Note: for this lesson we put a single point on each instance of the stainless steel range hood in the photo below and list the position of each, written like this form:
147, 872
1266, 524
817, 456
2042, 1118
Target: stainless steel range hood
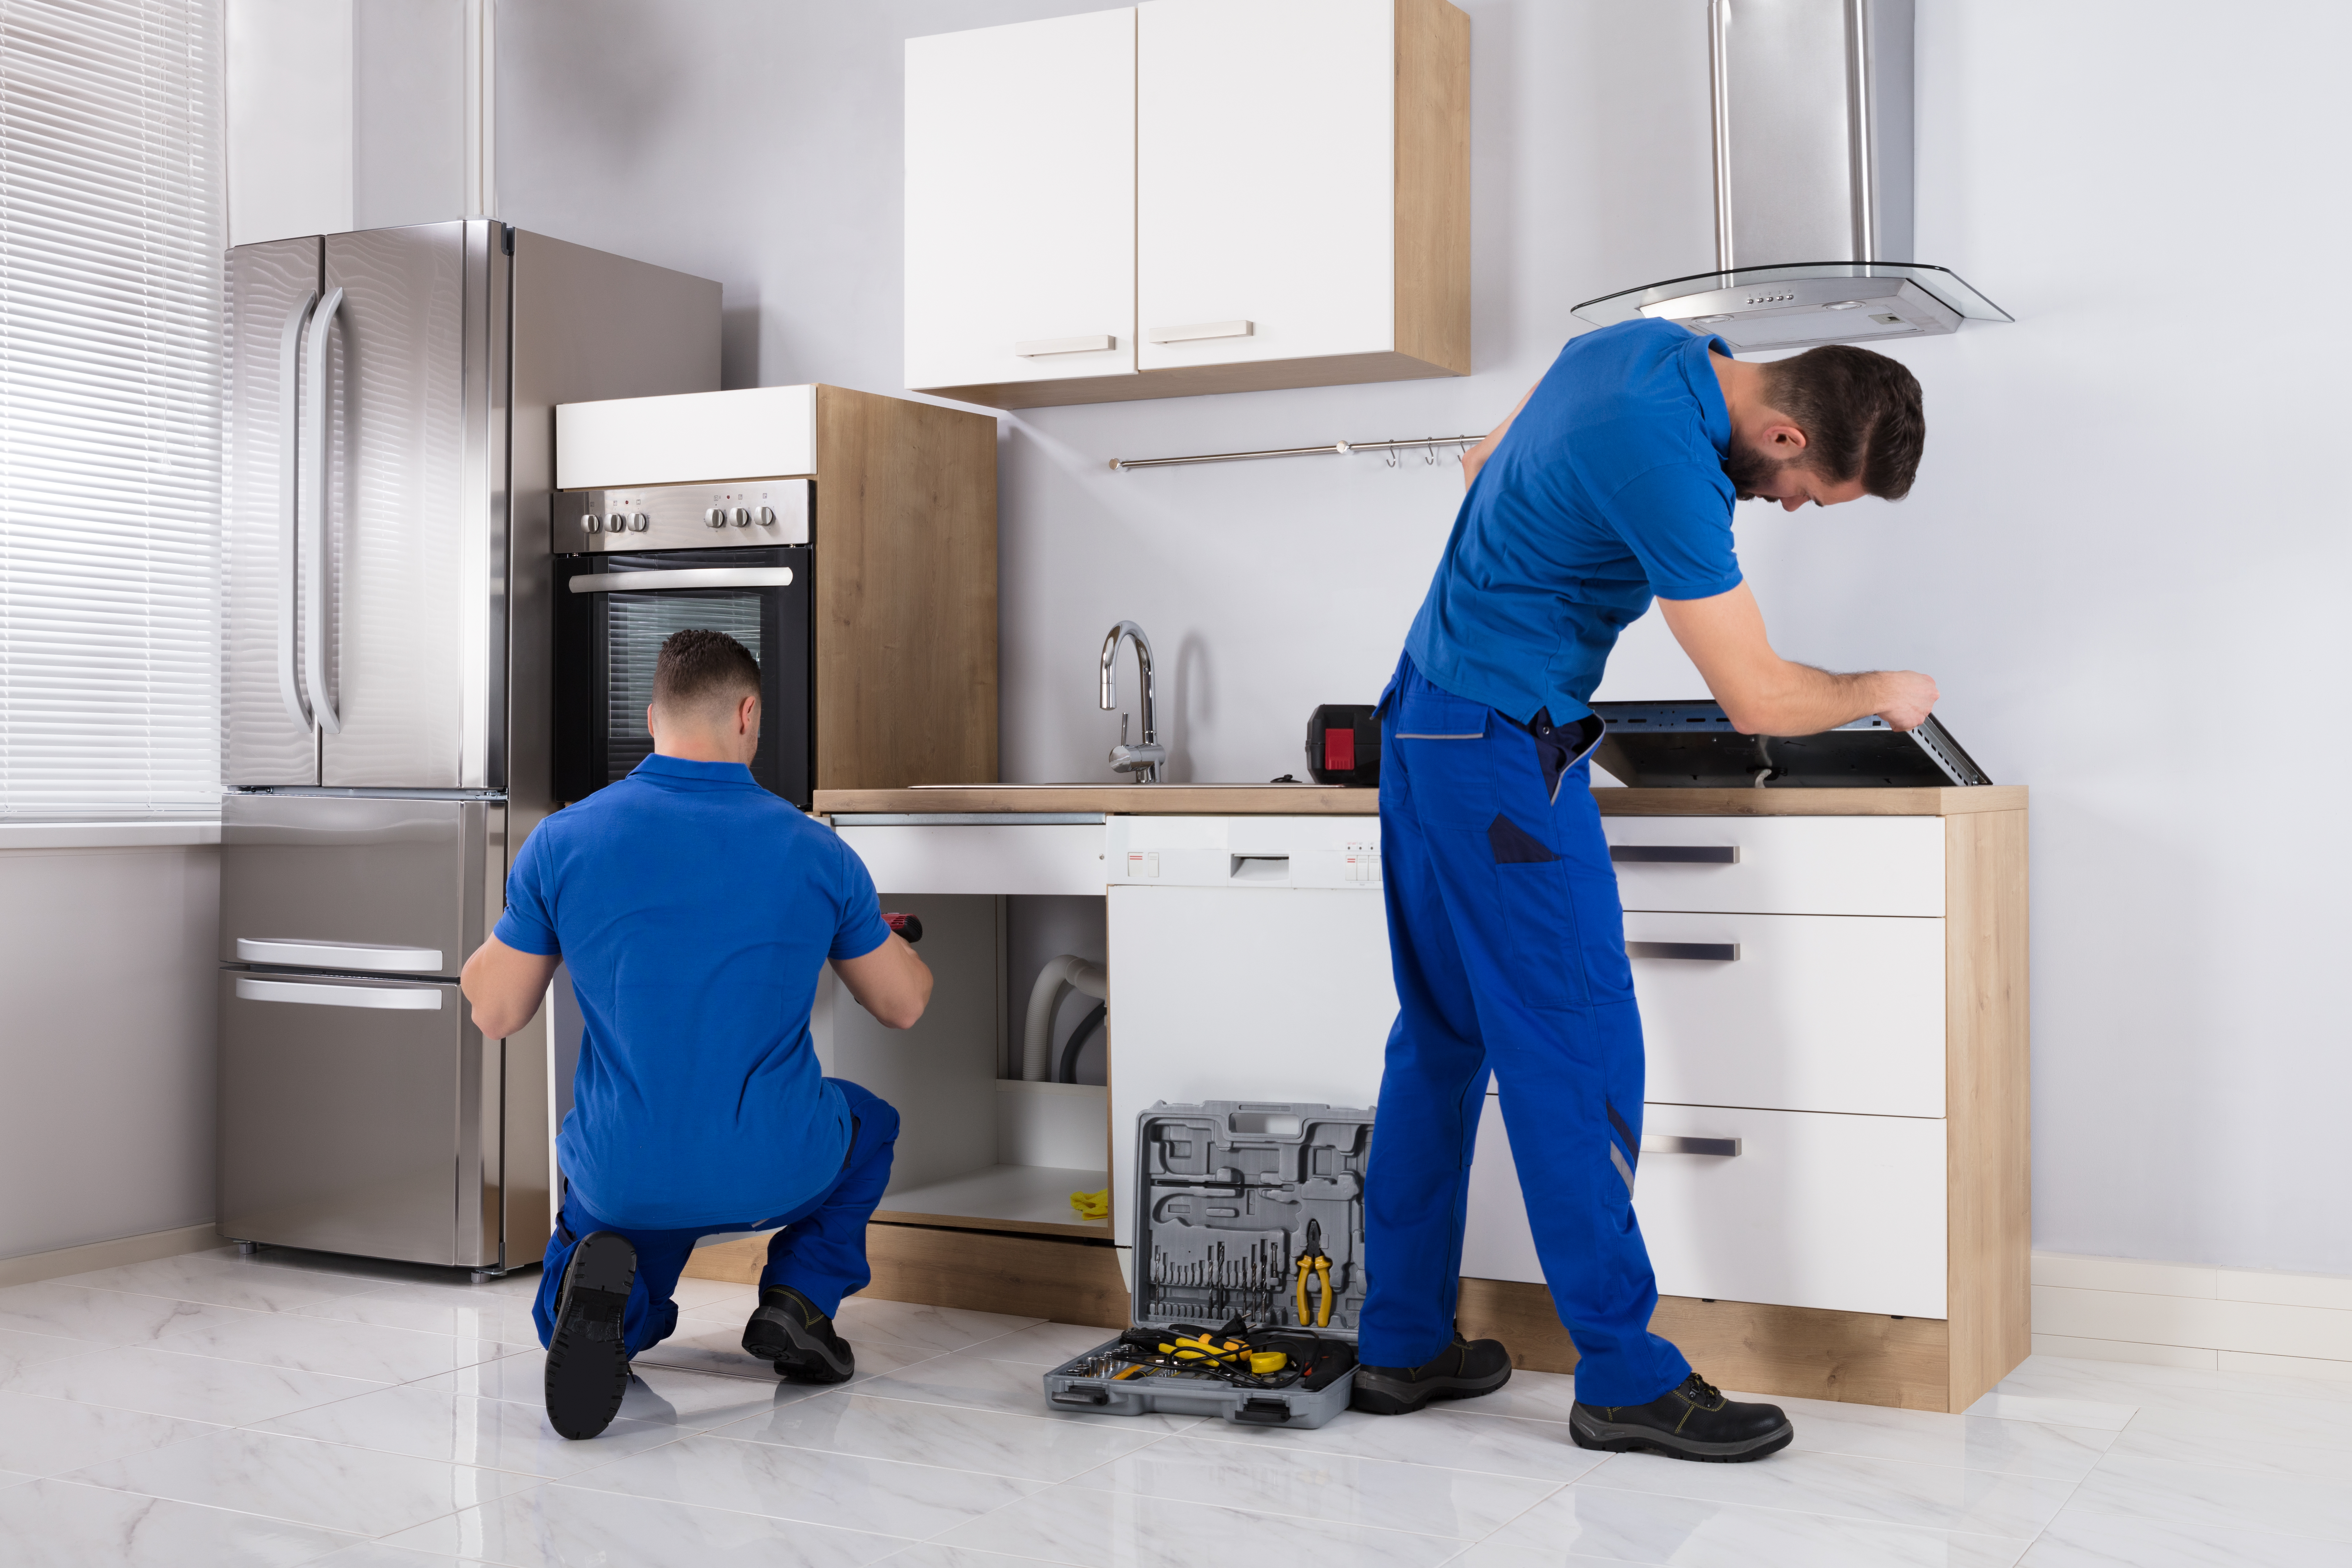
1812, 187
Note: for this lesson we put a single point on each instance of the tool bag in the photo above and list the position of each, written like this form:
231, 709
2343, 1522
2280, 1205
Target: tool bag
1242, 1208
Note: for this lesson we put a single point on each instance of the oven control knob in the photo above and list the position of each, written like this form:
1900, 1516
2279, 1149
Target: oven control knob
640, 522
716, 517
742, 517
767, 516
590, 523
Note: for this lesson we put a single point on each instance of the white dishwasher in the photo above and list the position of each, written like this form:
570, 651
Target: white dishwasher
1249, 959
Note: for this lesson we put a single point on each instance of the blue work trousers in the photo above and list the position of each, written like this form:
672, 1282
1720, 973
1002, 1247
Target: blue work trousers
819, 1251
1509, 945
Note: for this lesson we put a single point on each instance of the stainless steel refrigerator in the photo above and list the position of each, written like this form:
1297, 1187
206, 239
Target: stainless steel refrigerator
387, 640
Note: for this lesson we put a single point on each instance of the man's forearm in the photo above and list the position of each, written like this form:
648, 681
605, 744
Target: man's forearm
1800, 700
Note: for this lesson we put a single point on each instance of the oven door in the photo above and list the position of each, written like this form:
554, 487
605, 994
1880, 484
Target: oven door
613, 613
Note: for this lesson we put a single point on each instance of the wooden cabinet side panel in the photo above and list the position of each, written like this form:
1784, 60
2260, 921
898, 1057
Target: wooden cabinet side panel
1432, 183
906, 593
1991, 1177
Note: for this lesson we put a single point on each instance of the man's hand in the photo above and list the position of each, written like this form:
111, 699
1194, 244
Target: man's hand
890, 982
505, 986
1764, 694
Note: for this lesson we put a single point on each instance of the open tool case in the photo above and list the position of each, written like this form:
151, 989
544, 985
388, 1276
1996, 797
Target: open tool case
1229, 1196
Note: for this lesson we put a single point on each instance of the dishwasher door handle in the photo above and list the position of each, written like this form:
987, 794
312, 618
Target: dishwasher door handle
1702, 951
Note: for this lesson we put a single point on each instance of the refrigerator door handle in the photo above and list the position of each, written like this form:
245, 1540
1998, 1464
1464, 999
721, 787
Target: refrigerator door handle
314, 521
407, 999
339, 955
289, 437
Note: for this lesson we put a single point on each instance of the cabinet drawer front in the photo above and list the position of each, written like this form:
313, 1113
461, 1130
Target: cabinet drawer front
1785, 865
1040, 857
1844, 1213
1816, 1013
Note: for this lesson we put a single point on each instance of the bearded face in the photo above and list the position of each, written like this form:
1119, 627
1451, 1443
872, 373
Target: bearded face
1748, 466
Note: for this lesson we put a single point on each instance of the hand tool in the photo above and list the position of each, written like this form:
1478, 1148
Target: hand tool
1315, 1259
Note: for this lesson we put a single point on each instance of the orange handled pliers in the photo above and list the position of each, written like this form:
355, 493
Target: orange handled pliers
1318, 1261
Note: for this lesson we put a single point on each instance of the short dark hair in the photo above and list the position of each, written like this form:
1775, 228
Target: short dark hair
1861, 413
698, 666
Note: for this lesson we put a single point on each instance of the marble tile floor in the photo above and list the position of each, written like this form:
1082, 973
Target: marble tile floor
294, 1408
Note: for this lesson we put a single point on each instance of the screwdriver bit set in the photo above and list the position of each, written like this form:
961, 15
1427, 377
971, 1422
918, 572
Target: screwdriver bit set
1250, 1215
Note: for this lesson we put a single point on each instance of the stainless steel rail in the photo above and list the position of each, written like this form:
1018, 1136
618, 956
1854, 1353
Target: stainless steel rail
1336, 449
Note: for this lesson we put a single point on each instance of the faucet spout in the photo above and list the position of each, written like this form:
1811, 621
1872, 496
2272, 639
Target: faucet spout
1142, 760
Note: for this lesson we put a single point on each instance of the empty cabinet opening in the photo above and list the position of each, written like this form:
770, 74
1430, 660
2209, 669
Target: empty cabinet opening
1000, 1120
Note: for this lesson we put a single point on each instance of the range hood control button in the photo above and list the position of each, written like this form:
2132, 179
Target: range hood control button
716, 517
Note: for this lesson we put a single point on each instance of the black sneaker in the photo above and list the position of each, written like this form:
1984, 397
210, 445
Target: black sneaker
1693, 1421
587, 1370
789, 1331
1463, 1370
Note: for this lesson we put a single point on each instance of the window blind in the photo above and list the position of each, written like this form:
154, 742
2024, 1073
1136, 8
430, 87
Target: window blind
111, 235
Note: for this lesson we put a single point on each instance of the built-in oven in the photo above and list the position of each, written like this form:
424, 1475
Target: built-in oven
635, 566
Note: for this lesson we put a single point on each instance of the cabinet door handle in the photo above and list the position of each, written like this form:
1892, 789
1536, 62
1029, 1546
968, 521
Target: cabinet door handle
1704, 952
1204, 330
1035, 348
1675, 854
1673, 1143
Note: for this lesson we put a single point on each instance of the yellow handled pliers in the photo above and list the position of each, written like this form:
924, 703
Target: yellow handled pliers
1316, 1259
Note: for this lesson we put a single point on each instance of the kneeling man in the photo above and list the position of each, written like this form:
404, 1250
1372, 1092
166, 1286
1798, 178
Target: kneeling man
696, 912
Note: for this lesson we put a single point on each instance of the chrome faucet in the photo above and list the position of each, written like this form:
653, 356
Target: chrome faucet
1142, 760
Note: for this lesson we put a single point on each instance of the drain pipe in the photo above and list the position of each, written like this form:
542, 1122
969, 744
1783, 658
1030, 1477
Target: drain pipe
1037, 1038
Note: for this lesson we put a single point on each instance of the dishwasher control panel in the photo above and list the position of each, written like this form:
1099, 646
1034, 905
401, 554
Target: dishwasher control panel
1245, 851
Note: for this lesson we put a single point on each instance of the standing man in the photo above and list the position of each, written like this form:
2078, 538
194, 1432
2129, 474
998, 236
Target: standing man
697, 911
1612, 481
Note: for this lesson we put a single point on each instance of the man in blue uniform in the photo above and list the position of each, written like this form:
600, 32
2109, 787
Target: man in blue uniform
697, 911
1612, 482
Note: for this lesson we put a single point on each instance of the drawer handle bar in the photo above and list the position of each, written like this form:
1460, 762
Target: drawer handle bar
1204, 330
1672, 1144
1675, 854
419, 999
1705, 952
338, 955
1038, 348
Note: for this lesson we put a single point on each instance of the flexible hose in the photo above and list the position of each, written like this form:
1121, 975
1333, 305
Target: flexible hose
1037, 1037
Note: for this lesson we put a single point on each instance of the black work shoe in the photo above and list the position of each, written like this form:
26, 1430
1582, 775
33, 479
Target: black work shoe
1693, 1421
789, 1331
587, 1368
1463, 1370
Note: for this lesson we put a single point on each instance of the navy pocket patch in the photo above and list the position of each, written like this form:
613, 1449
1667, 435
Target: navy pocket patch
1514, 845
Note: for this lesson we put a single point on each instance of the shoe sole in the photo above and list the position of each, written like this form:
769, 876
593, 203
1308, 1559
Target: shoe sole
587, 1365
797, 1356
1612, 1437
1374, 1399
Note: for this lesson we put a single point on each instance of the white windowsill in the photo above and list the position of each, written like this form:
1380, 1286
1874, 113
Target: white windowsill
106, 835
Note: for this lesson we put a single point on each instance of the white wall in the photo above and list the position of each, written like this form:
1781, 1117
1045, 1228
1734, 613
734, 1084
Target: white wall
2121, 561
106, 958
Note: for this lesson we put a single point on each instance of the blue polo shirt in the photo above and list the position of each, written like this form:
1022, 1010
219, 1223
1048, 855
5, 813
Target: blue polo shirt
1608, 489
695, 912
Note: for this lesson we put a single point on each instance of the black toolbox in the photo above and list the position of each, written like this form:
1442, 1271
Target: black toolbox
1226, 1195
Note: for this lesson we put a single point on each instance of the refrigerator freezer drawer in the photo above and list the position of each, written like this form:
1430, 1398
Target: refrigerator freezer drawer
373, 885
368, 1124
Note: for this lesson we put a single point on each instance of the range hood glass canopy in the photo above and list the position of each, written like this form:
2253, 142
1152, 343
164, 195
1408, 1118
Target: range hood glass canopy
1806, 304
1812, 109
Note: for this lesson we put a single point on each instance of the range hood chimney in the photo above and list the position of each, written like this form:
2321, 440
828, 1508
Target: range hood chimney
1812, 160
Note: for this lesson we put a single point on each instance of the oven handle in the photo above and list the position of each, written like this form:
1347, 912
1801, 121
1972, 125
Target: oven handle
684, 577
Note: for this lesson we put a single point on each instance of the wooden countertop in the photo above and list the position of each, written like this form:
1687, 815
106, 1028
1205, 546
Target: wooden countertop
1317, 800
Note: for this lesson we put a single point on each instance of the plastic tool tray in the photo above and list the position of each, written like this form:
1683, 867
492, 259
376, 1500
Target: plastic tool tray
1230, 1198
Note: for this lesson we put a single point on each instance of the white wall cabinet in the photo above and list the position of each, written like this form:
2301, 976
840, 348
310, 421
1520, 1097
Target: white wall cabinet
1021, 204
1191, 196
